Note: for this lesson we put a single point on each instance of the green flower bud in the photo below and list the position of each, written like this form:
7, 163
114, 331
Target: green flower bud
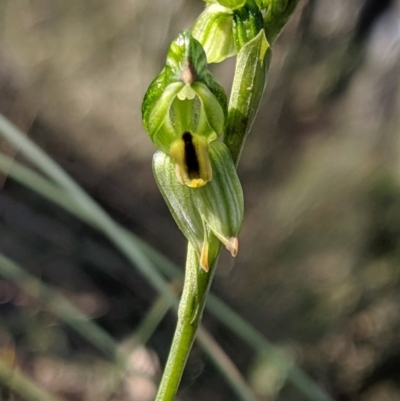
216, 207
185, 98
247, 23
213, 29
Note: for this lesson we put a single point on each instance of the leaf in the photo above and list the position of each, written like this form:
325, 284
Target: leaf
248, 87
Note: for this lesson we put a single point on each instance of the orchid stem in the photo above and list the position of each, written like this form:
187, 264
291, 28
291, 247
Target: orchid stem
195, 288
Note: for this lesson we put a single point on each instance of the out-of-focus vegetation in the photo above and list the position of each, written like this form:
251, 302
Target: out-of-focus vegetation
318, 267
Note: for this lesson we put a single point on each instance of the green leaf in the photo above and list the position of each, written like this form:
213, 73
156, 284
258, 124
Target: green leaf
248, 86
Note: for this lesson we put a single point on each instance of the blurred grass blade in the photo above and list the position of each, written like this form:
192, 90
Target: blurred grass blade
58, 305
50, 191
255, 339
42, 186
20, 384
73, 317
110, 229
141, 335
226, 367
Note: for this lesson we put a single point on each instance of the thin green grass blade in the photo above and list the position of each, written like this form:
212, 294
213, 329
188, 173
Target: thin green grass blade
254, 338
73, 317
141, 335
42, 186
110, 229
58, 305
226, 367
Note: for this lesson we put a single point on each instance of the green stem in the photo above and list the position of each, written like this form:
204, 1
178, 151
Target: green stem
195, 288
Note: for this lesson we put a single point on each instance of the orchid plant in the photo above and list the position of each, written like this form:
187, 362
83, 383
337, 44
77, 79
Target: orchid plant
200, 136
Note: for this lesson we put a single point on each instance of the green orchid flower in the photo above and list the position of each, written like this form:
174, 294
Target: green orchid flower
185, 109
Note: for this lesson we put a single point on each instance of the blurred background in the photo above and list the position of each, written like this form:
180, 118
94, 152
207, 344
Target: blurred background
318, 272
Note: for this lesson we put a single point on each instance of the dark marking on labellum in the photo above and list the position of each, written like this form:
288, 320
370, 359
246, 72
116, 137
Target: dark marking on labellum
191, 160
